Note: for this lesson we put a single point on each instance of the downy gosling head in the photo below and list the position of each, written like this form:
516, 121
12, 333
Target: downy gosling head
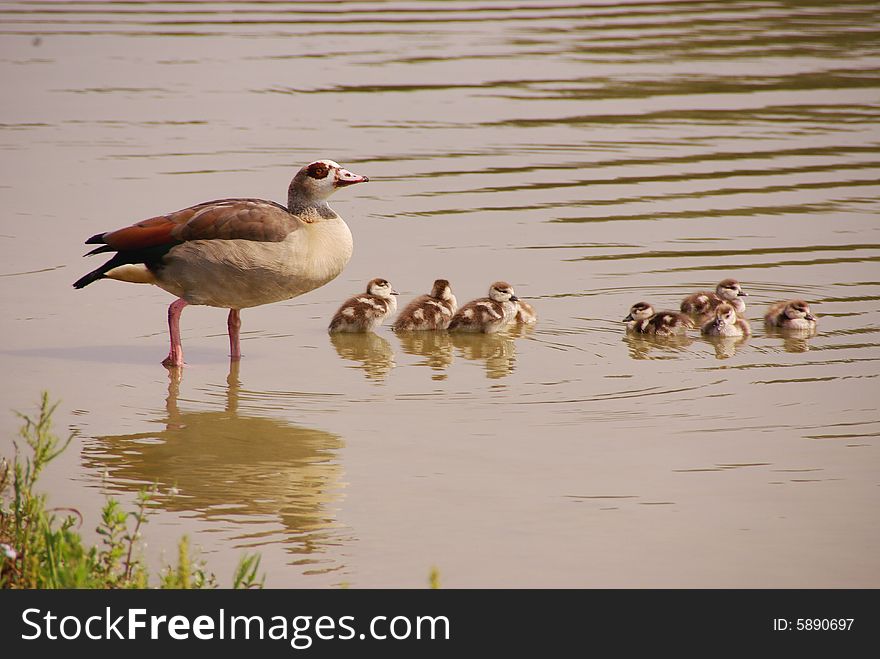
726, 323
638, 313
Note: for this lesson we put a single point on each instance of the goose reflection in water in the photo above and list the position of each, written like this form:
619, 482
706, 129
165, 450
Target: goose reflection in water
725, 346
375, 355
793, 340
240, 471
372, 352
649, 346
435, 347
498, 350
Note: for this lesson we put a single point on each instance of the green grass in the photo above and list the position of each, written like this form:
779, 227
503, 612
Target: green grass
41, 547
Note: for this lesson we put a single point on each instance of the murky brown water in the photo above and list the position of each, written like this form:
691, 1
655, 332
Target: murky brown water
592, 154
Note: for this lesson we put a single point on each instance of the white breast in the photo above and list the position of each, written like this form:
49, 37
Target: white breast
238, 274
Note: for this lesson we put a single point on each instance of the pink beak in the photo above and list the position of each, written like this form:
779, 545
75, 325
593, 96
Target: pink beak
345, 177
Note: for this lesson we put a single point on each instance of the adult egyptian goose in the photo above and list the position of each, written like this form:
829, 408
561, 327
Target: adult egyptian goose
235, 253
428, 312
643, 320
364, 313
487, 314
794, 314
703, 303
726, 323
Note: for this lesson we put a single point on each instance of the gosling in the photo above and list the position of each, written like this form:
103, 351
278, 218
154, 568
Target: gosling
703, 303
726, 323
433, 311
643, 320
525, 313
487, 314
364, 313
793, 314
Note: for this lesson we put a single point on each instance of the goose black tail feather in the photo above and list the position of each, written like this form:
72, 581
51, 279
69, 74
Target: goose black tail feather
98, 238
94, 275
100, 273
149, 256
100, 250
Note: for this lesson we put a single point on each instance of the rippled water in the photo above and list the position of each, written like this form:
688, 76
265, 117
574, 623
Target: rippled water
594, 155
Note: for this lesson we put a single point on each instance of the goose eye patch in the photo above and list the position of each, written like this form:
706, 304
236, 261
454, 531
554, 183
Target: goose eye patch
318, 170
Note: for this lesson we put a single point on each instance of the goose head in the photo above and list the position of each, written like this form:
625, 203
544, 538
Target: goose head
639, 311
381, 288
724, 316
441, 290
729, 289
315, 182
502, 292
798, 309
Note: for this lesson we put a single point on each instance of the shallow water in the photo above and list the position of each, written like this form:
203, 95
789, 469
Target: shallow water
594, 155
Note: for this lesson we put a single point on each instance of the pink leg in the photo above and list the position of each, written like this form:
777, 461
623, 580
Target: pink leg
234, 325
175, 355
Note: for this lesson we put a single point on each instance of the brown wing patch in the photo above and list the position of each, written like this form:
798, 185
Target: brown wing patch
235, 219
148, 233
226, 219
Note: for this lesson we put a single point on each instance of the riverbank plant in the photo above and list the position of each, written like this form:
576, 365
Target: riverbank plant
41, 546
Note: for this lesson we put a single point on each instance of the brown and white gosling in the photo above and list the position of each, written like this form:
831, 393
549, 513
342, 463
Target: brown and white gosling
703, 303
793, 314
364, 313
726, 323
525, 313
428, 312
643, 320
487, 314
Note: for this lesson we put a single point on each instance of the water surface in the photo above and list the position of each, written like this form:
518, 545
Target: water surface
592, 154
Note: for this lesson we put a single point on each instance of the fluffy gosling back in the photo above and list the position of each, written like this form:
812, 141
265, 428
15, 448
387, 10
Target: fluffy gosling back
642, 319
487, 314
364, 313
433, 311
525, 313
792, 314
703, 303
